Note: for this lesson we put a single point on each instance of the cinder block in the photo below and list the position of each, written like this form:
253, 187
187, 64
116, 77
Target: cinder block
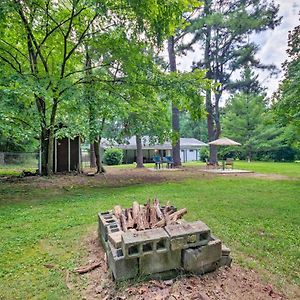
225, 260
107, 223
160, 262
225, 250
115, 238
121, 268
190, 234
202, 259
139, 243
177, 243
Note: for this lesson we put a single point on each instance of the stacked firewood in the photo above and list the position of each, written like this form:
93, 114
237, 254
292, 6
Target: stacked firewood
150, 215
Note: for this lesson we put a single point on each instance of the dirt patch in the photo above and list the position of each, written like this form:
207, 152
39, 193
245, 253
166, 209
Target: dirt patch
233, 283
117, 177
114, 177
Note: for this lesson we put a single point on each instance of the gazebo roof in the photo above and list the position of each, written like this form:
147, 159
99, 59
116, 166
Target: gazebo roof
224, 142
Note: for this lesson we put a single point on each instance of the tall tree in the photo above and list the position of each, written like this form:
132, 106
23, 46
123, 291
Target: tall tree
175, 110
244, 113
222, 30
287, 99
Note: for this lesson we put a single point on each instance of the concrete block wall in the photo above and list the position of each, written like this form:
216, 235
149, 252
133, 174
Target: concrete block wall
187, 246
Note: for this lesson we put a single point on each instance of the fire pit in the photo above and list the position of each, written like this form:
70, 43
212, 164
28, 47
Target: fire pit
152, 240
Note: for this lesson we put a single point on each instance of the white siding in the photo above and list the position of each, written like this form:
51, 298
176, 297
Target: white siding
188, 155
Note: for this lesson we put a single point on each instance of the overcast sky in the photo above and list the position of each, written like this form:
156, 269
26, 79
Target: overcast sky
273, 43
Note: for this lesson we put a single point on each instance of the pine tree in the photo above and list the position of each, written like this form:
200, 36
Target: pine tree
222, 31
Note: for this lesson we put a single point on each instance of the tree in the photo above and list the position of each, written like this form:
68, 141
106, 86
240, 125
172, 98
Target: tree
42, 48
287, 99
244, 113
175, 110
222, 30
193, 128
248, 120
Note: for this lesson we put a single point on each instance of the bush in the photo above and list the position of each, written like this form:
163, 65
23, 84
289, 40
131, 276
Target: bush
113, 156
204, 153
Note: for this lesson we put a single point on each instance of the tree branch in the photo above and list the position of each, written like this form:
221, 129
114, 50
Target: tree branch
10, 63
15, 48
86, 69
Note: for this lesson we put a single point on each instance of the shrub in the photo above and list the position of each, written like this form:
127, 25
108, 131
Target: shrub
113, 156
204, 153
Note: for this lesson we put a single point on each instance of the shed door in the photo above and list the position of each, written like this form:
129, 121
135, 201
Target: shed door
62, 155
74, 154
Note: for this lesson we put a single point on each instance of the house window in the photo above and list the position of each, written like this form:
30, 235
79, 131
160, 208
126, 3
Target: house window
191, 150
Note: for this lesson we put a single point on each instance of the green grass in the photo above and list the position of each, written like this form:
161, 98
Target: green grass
258, 219
281, 168
290, 169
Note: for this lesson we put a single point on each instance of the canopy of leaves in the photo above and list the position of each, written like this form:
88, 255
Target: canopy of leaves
42, 48
248, 120
287, 99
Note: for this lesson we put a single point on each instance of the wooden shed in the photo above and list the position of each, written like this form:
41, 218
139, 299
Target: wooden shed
67, 155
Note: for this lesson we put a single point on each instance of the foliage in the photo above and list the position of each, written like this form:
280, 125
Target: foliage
193, 128
204, 153
242, 116
287, 99
42, 46
248, 120
113, 156
221, 30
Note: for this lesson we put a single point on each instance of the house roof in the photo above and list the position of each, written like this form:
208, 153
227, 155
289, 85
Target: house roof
185, 143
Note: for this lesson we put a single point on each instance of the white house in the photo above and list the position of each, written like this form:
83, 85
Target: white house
189, 149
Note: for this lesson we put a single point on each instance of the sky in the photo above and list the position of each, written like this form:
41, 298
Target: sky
273, 44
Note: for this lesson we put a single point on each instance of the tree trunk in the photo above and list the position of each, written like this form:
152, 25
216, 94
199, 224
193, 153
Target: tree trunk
211, 133
139, 152
175, 110
176, 130
51, 137
92, 156
50, 151
100, 168
44, 150
208, 97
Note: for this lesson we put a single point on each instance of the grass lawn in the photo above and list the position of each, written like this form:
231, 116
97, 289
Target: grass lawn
258, 219
288, 169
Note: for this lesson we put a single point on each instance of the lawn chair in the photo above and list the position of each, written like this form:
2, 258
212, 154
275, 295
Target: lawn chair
211, 165
158, 162
229, 162
169, 161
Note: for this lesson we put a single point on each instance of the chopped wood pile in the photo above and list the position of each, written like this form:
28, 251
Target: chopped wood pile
150, 215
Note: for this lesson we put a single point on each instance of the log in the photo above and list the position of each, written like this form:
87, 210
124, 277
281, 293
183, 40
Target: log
87, 268
158, 211
143, 223
153, 217
148, 211
130, 221
117, 211
140, 223
171, 219
177, 214
167, 208
160, 223
123, 222
135, 212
